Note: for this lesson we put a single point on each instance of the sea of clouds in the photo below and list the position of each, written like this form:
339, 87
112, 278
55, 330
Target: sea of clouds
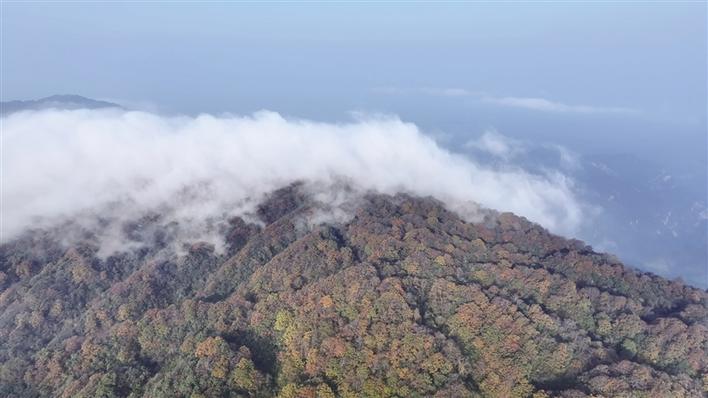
60, 165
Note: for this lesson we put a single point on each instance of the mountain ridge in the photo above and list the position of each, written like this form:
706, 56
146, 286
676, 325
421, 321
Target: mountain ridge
57, 101
405, 299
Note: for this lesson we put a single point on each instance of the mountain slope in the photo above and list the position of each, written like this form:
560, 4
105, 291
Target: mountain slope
405, 299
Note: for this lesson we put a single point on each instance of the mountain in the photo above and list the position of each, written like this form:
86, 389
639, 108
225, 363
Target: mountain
403, 300
54, 102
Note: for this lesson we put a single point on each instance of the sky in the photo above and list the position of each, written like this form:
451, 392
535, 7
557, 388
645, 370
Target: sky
619, 85
325, 59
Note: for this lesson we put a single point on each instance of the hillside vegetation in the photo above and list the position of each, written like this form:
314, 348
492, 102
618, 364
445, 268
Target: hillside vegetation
404, 300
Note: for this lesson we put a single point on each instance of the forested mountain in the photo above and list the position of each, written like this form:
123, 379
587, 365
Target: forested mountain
403, 300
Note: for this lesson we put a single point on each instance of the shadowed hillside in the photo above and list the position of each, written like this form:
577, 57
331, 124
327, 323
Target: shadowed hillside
405, 300
54, 102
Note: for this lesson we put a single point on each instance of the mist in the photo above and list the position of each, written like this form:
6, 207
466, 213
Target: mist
60, 165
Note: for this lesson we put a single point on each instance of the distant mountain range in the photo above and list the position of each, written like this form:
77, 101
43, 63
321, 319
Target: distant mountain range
403, 300
55, 102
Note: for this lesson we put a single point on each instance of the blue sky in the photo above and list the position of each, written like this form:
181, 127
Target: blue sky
620, 84
301, 58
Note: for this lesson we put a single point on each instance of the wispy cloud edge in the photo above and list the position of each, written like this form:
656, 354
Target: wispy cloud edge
545, 105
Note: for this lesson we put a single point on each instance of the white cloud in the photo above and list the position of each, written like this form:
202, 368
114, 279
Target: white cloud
497, 145
447, 92
434, 91
542, 104
58, 164
531, 103
569, 160
703, 215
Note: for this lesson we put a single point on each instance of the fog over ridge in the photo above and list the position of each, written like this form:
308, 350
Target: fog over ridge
60, 163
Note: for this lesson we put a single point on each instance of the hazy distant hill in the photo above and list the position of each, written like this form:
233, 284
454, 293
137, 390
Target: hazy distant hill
404, 300
55, 102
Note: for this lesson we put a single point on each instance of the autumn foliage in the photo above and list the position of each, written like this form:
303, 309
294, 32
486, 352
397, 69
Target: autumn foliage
404, 300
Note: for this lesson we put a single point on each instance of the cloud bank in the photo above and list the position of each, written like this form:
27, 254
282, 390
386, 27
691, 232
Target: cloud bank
59, 164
